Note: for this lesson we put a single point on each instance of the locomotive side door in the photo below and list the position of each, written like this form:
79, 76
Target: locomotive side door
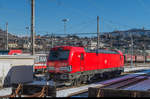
82, 62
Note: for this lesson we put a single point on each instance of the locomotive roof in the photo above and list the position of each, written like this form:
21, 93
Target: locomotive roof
93, 51
102, 51
69, 47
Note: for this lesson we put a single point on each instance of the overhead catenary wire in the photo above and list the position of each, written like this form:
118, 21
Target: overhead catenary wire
110, 21
79, 26
114, 24
141, 2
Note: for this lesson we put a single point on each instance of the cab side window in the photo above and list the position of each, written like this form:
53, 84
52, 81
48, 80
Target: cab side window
82, 56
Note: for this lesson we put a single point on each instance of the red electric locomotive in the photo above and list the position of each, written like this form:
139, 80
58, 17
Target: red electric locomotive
73, 65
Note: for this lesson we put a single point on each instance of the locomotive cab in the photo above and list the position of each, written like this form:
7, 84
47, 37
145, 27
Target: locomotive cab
59, 62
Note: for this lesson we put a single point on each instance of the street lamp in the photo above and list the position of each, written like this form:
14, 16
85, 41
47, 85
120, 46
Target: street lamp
65, 20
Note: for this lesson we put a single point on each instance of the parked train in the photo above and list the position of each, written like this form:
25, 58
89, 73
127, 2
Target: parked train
136, 58
10, 52
41, 59
74, 65
40, 63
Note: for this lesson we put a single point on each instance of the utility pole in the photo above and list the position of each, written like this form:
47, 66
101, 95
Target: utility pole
32, 27
131, 49
52, 41
144, 54
6, 35
28, 37
111, 40
98, 33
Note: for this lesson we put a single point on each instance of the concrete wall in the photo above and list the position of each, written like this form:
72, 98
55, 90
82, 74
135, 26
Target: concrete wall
18, 59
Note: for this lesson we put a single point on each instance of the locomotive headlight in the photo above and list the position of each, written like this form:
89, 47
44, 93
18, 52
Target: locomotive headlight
67, 68
51, 68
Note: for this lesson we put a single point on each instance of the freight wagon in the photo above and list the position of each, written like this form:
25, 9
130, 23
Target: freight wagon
74, 65
10, 52
136, 58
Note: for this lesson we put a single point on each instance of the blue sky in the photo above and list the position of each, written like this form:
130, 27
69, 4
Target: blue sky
82, 14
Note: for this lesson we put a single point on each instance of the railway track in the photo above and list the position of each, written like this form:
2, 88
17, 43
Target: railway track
126, 82
128, 87
120, 83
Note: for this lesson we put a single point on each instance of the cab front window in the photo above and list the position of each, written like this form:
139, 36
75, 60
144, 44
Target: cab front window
58, 55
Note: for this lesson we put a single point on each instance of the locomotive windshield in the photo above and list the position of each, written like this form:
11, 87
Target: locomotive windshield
5, 52
58, 55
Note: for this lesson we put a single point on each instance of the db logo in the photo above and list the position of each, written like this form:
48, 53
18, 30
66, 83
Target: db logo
79, 56
105, 61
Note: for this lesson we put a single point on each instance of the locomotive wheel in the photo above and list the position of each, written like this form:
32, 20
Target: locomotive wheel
110, 74
119, 72
84, 79
89, 78
76, 82
105, 75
